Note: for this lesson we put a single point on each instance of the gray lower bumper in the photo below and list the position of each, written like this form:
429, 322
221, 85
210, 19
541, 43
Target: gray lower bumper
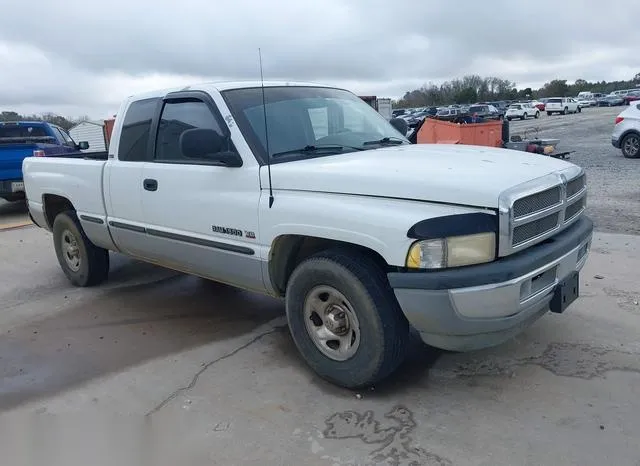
467, 318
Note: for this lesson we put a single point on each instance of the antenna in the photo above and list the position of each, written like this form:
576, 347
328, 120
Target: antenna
266, 130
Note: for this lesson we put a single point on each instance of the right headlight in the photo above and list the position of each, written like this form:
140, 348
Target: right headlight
454, 251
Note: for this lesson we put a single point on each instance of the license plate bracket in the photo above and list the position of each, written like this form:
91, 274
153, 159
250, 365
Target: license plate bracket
566, 292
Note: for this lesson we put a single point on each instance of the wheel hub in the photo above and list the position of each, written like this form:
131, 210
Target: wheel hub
336, 320
70, 250
332, 323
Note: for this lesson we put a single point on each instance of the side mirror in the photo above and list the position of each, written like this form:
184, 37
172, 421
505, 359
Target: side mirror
400, 125
208, 144
83, 145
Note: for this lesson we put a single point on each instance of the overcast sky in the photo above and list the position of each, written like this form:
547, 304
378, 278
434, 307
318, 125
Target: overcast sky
77, 57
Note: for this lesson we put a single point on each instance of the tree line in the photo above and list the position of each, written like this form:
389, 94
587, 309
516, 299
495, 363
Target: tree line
65, 123
474, 88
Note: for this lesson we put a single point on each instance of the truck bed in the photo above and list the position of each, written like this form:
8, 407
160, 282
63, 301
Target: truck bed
77, 179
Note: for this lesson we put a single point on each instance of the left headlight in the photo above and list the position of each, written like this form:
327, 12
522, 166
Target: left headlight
454, 251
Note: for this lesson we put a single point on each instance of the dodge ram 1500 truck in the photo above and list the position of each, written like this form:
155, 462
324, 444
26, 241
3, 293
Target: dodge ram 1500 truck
20, 139
305, 192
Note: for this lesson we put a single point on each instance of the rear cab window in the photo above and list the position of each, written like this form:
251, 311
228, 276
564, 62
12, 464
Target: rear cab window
136, 130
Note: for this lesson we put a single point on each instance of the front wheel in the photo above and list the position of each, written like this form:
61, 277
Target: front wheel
345, 319
524, 117
565, 111
84, 263
630, 146
548, 113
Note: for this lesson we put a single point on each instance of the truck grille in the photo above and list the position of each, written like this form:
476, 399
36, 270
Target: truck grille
536, 216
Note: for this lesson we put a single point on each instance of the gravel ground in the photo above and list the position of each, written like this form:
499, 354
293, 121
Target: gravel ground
614, 188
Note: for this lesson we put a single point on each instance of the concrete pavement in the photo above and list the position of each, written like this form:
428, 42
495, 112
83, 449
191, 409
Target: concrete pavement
177, 370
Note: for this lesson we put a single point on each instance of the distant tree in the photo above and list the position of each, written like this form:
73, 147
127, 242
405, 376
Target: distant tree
467, 96
52, 118
557, 87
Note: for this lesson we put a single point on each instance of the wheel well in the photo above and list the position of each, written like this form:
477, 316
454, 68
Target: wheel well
288, 251
628, 132
53, 205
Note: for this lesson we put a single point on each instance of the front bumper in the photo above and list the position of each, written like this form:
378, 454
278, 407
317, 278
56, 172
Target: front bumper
484, 305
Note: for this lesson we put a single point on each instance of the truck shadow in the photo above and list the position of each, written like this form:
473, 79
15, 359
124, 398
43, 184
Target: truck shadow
123, 324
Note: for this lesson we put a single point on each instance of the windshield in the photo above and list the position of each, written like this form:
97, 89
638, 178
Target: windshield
300, 117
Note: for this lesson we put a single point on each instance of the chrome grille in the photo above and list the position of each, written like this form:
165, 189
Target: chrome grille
575, 186
538, 209
536, 228
574, 209
537, 202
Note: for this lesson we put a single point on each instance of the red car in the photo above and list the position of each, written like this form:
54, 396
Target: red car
631, 97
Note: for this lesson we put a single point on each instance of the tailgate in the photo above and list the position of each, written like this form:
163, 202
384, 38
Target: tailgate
11, 157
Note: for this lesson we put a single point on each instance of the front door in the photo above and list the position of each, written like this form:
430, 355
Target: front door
201, 218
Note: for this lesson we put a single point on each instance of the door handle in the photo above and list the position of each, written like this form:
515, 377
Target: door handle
150, 184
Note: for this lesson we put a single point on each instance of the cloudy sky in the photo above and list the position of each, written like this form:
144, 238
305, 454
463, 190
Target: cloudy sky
77, 57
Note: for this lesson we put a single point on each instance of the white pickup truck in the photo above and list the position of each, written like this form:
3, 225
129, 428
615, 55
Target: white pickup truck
305, 192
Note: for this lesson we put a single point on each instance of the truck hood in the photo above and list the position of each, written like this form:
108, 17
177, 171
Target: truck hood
453, 174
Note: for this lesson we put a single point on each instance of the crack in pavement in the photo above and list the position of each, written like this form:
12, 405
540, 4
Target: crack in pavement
204, 368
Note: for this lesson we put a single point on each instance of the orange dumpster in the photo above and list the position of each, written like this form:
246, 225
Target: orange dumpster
488, 133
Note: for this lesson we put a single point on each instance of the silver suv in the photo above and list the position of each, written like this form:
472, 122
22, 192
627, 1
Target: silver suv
626, 132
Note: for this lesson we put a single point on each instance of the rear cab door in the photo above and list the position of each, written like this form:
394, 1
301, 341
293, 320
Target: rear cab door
201, 217
123, 175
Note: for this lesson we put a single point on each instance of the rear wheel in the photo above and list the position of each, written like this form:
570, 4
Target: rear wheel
548, 113
524, 117
537, 115
579, 110
630, 146
84, 263
345, 319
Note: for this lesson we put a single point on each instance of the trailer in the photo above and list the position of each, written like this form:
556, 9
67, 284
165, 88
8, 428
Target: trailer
382, 105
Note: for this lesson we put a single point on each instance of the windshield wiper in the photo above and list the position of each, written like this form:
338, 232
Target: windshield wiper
386, 141
311, 149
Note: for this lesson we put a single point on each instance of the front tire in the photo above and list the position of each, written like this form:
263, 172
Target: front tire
524, 117
548, 113
630, 146
84, 263
565, 111
345, 319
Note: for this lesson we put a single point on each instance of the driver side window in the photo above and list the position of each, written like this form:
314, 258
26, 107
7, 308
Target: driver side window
177, 117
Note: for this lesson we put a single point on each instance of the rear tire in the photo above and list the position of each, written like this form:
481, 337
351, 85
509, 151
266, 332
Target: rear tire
84, 263
630, 146
579, 110
345, 319
548, 113
537, 115
524, 117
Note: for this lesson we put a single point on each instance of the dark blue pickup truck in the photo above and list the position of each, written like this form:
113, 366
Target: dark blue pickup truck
21, 139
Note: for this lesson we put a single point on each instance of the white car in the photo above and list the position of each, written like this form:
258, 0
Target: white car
304, 192
562, 105
521, 111
626, 132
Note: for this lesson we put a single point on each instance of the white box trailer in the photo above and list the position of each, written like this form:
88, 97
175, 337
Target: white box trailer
382, 105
